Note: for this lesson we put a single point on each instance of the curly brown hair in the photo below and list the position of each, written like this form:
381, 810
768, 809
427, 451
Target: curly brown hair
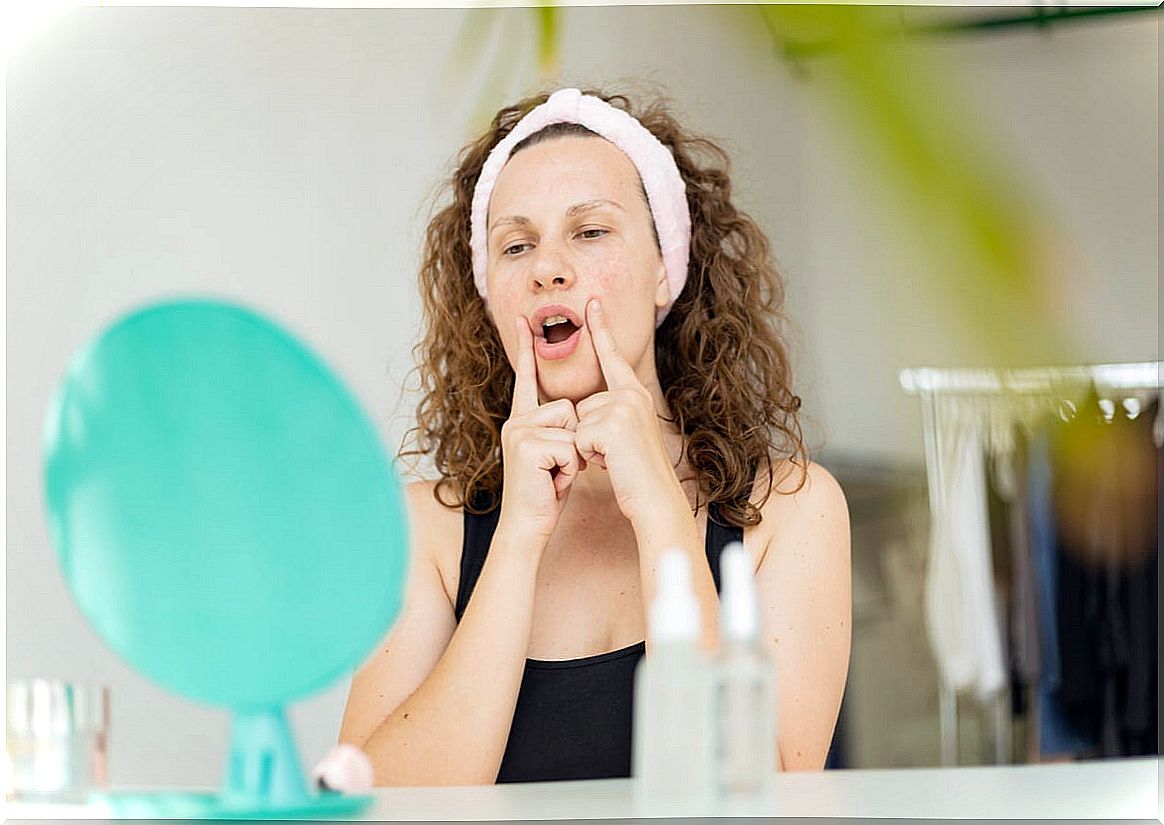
722, 365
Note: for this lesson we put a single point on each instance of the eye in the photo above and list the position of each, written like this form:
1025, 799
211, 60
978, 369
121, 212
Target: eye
591, 234
514, 249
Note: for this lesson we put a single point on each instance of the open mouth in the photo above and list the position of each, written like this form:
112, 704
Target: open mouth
558, 328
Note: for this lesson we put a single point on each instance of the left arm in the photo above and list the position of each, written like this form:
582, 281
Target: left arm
803, 578
670, 524
805, 593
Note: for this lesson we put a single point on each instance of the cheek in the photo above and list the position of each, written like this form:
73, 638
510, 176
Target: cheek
502, 309
502, 294
620, 277
504, 304
609, 282
622, 285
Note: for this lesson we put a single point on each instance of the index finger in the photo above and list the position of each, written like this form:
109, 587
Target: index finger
525, 383
615, 369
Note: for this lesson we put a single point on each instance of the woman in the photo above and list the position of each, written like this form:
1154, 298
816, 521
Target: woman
602, 381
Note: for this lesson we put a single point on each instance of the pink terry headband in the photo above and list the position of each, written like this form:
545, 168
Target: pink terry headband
666, 192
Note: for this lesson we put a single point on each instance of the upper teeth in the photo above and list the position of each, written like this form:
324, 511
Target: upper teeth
554, 320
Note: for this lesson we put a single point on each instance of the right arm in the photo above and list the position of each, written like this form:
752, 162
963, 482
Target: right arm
435, 703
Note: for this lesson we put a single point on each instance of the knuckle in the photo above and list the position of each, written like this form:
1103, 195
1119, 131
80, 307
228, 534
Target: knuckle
515, 436
563, 406
623, 414
510, 430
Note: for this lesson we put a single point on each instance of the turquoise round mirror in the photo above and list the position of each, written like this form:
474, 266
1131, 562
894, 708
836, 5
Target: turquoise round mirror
226, 518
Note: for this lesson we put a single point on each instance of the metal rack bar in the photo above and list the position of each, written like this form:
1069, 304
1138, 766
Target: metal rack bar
1141, 375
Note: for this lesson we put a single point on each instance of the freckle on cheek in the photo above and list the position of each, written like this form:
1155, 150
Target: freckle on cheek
610, 278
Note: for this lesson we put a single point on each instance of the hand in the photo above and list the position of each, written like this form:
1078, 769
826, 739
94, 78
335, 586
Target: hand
537, 448
619, 430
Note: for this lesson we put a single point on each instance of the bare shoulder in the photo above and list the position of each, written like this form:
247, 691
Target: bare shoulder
806, 504
436, 530
804, 585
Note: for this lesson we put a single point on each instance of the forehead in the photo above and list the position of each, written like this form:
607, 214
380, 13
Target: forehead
564, 170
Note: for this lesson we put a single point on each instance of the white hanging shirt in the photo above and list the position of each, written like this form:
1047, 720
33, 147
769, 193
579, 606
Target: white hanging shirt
961, 616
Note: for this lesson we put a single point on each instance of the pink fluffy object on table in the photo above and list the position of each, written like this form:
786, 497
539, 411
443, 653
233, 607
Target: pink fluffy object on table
345, 769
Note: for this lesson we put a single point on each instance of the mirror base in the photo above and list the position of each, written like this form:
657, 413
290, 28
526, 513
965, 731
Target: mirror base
185, 805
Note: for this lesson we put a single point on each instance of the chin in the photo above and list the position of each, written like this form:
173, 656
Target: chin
575, 390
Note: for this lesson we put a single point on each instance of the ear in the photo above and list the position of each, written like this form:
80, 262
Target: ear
662, 288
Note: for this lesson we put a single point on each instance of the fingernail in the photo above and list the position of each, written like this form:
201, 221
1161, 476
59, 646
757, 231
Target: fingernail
597, 305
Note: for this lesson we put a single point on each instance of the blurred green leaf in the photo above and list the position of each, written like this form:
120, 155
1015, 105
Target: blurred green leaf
512, 29
987, 244
476, 28
548, 16
495, 92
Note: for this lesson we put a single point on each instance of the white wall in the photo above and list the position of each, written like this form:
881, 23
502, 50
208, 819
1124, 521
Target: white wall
285, 158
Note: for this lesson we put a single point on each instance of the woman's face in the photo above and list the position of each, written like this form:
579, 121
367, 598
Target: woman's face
568, 222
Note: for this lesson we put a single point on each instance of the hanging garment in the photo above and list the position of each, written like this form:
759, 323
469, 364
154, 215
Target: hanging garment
998, 519
1141, 713
961, 616
1000, 495
1106, 507
1024, 612
1054, 733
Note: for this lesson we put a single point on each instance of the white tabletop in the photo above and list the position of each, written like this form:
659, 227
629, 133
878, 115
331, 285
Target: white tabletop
1095, 790
1103, 789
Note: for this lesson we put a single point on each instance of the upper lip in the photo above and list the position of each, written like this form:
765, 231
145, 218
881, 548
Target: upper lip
542, 313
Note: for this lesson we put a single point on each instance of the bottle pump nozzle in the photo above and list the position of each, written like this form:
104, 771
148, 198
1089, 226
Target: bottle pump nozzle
674, 611
739, 611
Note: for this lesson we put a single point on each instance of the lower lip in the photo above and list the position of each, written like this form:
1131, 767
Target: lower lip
562, 349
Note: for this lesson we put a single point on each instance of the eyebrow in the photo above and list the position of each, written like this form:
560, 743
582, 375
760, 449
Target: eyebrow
586, 206
573, 211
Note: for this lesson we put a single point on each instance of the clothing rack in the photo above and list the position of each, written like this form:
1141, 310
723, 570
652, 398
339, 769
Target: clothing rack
929, 383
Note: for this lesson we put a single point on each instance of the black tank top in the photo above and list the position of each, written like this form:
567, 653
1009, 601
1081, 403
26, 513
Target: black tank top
573, 718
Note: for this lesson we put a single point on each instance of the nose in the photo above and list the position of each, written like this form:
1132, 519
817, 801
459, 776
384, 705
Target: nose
541, 282
551, 270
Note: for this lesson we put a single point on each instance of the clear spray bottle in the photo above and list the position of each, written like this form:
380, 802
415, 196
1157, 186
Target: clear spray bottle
744, 703
672, 702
